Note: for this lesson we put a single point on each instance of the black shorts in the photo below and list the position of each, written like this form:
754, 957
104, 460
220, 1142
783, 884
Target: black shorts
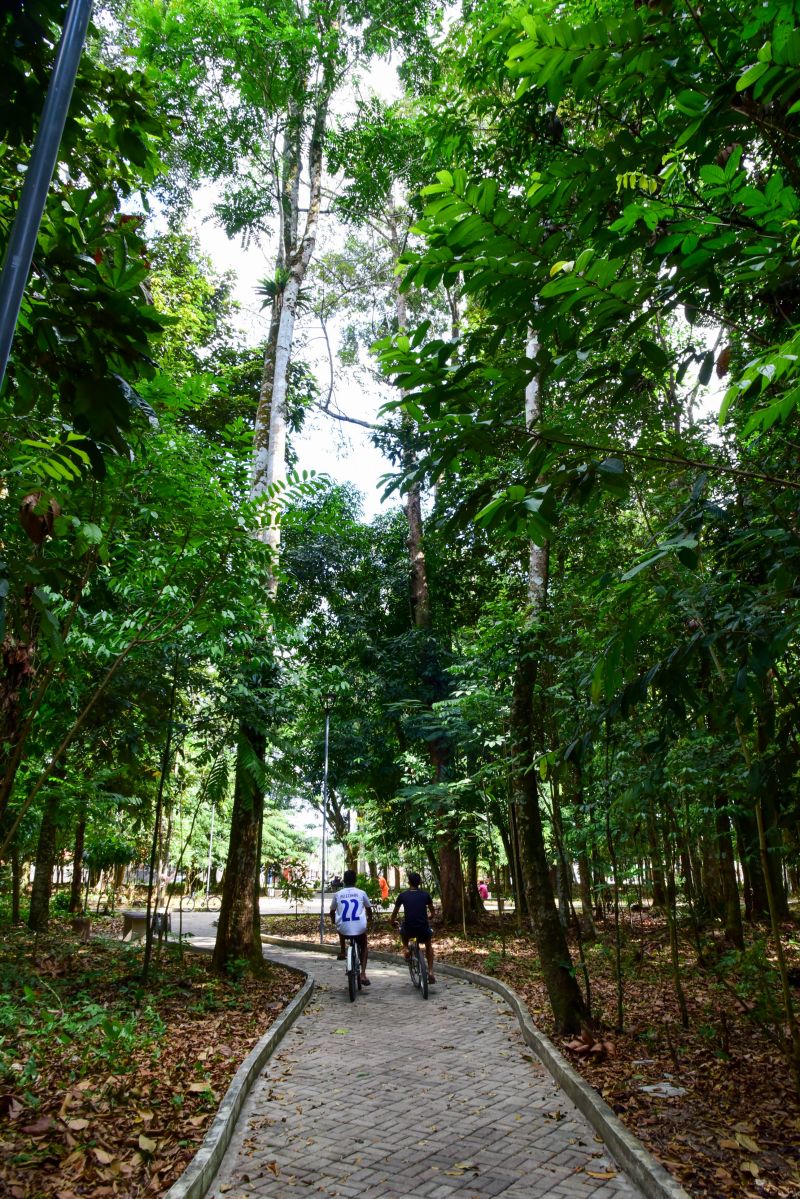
422, 933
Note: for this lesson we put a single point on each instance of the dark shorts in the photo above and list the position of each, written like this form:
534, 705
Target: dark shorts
423, 932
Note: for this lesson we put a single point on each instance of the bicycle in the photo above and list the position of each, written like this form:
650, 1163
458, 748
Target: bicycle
418, 966
352, 967
211, 903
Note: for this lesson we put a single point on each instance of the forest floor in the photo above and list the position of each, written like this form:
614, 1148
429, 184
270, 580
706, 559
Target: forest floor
724, 1116
106, 1087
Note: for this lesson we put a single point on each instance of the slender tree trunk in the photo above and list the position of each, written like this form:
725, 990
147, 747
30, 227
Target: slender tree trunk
155, 845
77, 866
563, 873
584, 867
269, 443
727, 869
656, 863
756, 904
16, 883
566, 1000
39, 915
672, 926
450, 871
520, 899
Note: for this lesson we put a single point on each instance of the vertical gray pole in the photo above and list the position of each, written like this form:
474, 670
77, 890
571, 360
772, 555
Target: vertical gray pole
25, 229
210, 850
324, 819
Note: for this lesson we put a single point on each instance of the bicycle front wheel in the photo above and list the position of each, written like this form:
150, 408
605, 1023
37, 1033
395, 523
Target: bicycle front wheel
214, 903
187, 903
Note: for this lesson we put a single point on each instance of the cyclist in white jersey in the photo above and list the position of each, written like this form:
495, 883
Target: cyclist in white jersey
351, 912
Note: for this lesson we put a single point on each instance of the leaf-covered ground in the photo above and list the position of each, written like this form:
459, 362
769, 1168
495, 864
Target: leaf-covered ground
733, 1128
107, 1088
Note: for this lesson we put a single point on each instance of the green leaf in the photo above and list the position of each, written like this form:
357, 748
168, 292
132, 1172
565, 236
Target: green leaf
751, 75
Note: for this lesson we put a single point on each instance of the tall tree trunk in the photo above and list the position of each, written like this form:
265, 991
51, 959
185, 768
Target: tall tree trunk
450, 871
566, 1000
236, 930
39, 915
294, 256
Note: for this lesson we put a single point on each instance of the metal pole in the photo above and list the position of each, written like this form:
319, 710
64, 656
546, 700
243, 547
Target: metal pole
210, 847
25, 229
324, 818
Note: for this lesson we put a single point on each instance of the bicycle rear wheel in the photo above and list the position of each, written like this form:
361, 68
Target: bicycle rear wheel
214, 903
353, 971
413, 965
187, 903
423, 971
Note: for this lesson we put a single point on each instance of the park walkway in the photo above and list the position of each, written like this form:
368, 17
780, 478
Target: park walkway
392, 1097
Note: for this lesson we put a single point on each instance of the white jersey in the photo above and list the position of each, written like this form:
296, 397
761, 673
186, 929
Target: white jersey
350, 907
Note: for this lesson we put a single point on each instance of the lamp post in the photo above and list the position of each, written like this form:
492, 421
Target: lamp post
327, 704
210, 852
39, 173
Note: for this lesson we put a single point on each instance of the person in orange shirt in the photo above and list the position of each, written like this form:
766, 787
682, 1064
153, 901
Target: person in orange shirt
384, 886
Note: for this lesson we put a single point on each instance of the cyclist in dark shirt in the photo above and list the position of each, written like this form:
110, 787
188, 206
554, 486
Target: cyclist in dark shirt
417, 908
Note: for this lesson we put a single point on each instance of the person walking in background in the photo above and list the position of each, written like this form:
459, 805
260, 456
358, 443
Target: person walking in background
384, 886
483, 890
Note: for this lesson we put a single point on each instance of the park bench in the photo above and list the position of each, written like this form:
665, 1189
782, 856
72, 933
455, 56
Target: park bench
134, 924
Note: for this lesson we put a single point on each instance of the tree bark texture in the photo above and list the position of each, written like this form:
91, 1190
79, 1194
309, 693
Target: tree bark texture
566, 1000
236, 935
294, 257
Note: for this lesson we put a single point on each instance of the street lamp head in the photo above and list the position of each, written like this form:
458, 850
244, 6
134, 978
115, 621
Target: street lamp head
328, 700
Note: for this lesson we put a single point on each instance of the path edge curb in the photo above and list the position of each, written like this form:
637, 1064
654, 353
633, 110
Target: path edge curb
202, 1169
643, 1169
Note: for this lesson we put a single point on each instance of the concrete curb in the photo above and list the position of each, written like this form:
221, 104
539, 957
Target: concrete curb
199, 1174
642, 1168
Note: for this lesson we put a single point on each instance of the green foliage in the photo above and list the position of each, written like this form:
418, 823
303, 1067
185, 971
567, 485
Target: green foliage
369, 886
101, 1040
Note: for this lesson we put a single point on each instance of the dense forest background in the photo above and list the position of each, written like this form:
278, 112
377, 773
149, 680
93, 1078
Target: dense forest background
566, 654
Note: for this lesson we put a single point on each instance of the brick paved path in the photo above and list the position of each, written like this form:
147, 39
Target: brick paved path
392, 1097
